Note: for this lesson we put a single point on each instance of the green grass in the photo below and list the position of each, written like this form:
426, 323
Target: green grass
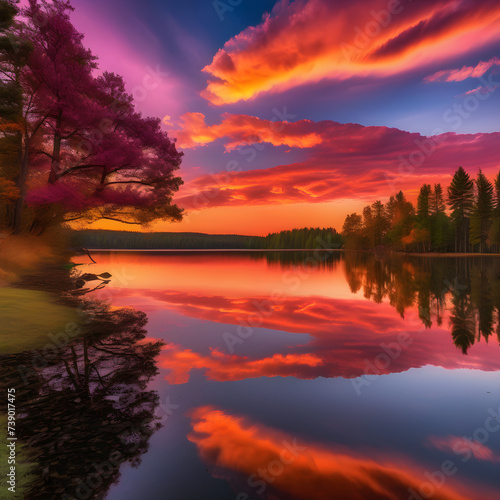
28, 317
23, 468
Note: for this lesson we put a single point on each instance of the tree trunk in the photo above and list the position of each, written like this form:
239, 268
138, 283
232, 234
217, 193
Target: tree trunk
21, 184
56, 151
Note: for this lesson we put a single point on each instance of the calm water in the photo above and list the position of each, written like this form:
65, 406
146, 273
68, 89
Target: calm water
300, 376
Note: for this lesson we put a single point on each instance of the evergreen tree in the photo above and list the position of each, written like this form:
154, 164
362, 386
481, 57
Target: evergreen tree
439, 221
436, 204
494, 233
352, 231
482, 212
423, 216
369, 227
424, 202
461, 202
380, 222
401, 214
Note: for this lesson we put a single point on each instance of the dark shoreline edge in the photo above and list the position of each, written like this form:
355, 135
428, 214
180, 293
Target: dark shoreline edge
257, 250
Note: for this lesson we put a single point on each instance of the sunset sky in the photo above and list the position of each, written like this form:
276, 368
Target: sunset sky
295, 113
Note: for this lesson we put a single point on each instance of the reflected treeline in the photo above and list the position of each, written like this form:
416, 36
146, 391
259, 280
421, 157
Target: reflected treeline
82, 402
324, 258
462, 294
465, 291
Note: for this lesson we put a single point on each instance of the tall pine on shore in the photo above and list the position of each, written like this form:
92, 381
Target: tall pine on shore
494, 233
461, 202
482, 212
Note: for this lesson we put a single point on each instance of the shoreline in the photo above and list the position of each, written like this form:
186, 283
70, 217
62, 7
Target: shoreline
169, 250
261, 250
454, 255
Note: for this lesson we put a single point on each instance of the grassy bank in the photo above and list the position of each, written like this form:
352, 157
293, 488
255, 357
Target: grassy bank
29, 317
30, 301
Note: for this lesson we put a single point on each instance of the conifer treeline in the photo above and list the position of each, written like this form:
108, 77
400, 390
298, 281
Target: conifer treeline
465, 219
131, 240
306, 238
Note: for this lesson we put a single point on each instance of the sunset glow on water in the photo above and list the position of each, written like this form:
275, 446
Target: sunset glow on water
337, 360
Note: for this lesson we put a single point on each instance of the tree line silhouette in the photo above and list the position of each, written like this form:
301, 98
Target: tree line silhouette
466, 219
134, 240
305, 238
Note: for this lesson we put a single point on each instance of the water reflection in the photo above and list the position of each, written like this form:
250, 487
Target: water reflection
446, 309
443, 291
265, 463
263, 349
468, 287
83, 403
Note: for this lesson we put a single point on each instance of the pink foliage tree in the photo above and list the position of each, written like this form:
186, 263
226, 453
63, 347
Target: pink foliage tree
91, 154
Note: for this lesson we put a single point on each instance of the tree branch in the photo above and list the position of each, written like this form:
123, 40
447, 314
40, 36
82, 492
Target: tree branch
119, 220
78, 167
129, 182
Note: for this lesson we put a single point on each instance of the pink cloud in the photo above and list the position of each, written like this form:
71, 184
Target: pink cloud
462, 445
481, 90
459, 75
344, 161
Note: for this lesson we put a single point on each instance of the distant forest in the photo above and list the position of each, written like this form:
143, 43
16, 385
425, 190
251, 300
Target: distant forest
306, 238
472, 223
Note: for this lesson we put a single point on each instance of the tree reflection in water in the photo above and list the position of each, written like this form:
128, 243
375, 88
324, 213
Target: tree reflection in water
465, 290
84, 408
468, 288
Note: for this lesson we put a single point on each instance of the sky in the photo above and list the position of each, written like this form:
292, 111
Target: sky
296, 113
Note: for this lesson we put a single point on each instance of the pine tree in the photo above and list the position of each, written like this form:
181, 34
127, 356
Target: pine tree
461, 202
437, 204
423, 216
440, 223
423, 202
482, 212
494, 233
368, 226
380, 222
352, 231
401, 215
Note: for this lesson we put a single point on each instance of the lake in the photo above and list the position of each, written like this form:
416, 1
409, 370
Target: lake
314, 375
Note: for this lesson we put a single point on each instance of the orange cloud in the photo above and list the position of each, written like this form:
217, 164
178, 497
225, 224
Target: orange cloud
248, 453
345, 161
310, 40
224, 367
243, 129
458, 75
